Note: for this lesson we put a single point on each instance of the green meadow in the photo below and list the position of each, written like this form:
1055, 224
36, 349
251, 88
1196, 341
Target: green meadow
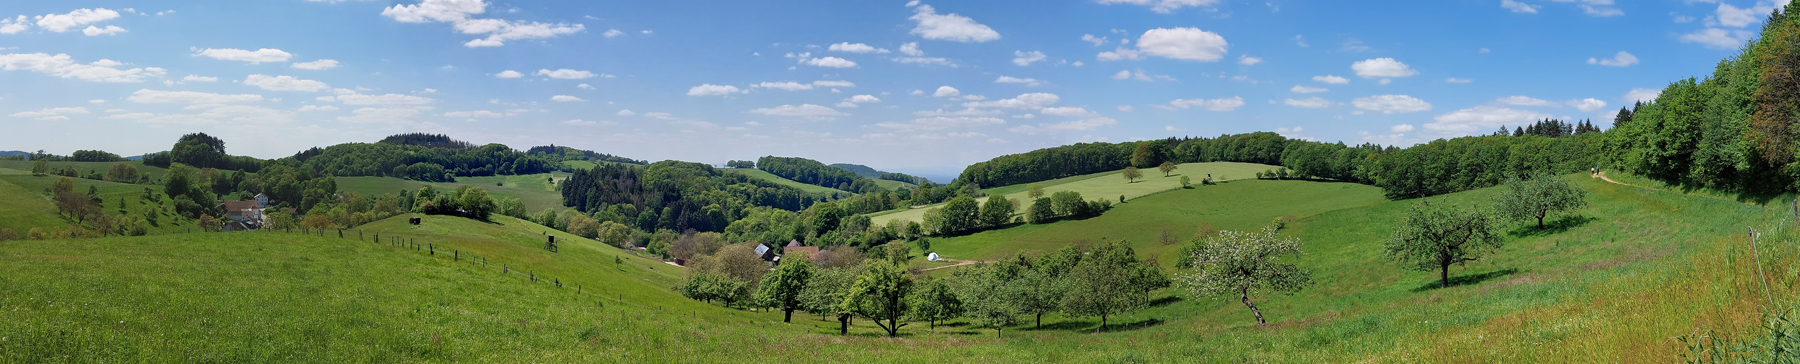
535, 190
760, 174
27, 204
24, 167
1105, 185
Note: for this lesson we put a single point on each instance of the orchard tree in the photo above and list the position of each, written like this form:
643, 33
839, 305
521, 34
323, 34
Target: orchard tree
933, 301
880, 295
1240, 263
1435, 236
1132, 174
988, 297
1166, 167
824, 294
1110, 281
1538, 196
782, 288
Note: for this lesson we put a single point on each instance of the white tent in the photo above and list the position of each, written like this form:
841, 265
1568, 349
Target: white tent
932, 257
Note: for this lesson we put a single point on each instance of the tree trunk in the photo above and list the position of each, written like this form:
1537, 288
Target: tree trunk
1102, 324
1246, 296
1540, 222
1445, 276
1040, 321
789, 317
843, 324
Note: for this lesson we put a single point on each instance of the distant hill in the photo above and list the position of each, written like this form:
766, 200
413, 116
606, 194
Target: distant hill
10, 153
860, 170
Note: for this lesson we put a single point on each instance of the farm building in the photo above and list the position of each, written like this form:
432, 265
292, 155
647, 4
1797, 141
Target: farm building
242, 215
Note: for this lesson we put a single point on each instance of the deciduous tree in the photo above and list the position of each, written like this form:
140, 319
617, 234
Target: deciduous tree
1109, 281
1132, 174
1166, 167
1242, 263
1434, 236
1538, 196
933, 301
782, 288
880, 295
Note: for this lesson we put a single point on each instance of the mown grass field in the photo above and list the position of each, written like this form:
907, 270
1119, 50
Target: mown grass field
760, 174
1105, 185
1622, 282
25, 203
892, 185
535, 190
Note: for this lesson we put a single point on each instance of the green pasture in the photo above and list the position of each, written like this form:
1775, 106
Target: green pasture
535, 190
1105, 185
766, 176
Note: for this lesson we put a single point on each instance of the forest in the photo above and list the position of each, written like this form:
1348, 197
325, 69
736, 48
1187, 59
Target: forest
676, 196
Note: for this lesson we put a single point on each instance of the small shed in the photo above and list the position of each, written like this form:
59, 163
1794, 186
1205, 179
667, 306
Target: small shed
764, 252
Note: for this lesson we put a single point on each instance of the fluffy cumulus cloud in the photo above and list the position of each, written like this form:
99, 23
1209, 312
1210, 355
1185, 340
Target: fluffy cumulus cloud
1716, 38
830, 62
323, 64
56, 113
1076, 125
784, 86
1025, 81
945, 91
566, 74
833, 83
951, 27
566, 98
61, 65
1307, 90
1382, 68
14, 26
1209, 104
93, 31
1402, 128
254, 57
1644, 95
859, 48
1024, 58
1065, 111
1524, 101
509, 74
64, 22
1308, 103
1587, 104
189, 97
1034, 100
1622, 59
459, 13
1391, 104
915, 55
712, 90
853, 101
1164, 6
1481, 119
1248, 60
808, 111
940, 123
1188, 44
284, 83
1603, 8
1330, 79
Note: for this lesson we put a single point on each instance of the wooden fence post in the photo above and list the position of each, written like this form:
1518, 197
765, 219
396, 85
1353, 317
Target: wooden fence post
456, 255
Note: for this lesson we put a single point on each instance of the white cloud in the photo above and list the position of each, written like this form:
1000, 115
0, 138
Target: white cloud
1034, 100
612, 33
565, 74
1335, 80
474, 114
1125, 108
946, 91
1600, 8
398, 115
1077, 125
1620, 60
1391, 104
323, 64
831, 62
61, 65
1191, 44
951, 27
1024, 58
1010, 79
1458, 80
1065, 111
1308, 103
350, 97
1524, 101
318, 108
189, 97
1587, 104
1402, 128
57, 113
911, 49
97, 101
808, 111
859, 48
1090, 38
1644, 95
863, 99
712, 90
1248, 60
458, 12
1519, 7
1140, 76
1382, 68
916, 92
254, 57
1212, 105
1307, 90
284, 83
63, 22
1736, 17
199, 78
625, 113
784, 85
941, 123
93, 31
565, 98
1481, 119
14, 26
1716, 38
129, 116
584, 86
509, 74
1164, 6
833, 83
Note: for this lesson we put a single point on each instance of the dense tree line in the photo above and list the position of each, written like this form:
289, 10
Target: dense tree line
902, 177
1047, 164
740, 164
427, 140
571, 154
202, 151
676, 196
858, 169
399, 160
814, 173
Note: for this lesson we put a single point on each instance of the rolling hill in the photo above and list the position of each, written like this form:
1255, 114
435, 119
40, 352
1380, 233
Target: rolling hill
762, 175
1104, 185
534, 190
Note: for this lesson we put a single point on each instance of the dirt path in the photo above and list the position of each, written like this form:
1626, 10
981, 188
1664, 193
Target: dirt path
1602, 176
959, 263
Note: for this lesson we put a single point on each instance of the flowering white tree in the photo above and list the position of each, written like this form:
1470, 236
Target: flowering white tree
1240, 263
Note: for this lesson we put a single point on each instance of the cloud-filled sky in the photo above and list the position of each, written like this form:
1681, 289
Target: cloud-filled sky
923, 86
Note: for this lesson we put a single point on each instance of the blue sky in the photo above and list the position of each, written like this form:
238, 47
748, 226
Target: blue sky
923, 87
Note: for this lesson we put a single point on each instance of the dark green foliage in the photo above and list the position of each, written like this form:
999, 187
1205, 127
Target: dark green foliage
378, 159
571, 154
1436, 236
675, 195
814, 173
427, 140
740, 164
204, 151
94, 156
858, 169
782, 288
1538, 196
997, 212
902, 177
1050, 163
1110, 281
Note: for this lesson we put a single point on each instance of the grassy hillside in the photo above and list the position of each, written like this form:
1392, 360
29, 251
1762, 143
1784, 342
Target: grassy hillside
534, 189
760, 174
25, 203
1108, 185
24, 167
892, 185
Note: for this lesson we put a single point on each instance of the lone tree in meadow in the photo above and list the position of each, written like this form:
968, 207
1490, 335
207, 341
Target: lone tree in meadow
1538, 196
1435, 236
879, 295
1240, 263
1132, 174
781, 289
1166, 167
1036, 191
